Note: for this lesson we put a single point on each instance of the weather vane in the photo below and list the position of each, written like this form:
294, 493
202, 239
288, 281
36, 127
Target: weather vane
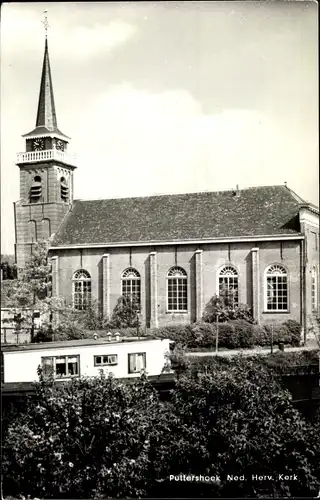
45, 22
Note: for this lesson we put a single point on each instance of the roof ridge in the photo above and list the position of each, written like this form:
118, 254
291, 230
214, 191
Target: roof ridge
158, 195
295, 195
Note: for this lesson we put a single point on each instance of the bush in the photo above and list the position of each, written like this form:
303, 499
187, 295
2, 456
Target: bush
234, 334
261, 336
100, 438
89, 438
285, 362
203, 335
223, 306
243, 333
181, 334
282, 333
295, 329
234, 412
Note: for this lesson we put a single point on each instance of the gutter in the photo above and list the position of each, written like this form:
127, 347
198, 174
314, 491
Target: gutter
15, 230
179, 242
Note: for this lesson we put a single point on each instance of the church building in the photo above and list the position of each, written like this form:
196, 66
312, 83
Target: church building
172, 252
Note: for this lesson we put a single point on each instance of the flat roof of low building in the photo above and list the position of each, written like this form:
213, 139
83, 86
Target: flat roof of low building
75, 343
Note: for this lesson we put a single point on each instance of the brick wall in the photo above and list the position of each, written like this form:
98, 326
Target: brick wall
40, 220
214, 257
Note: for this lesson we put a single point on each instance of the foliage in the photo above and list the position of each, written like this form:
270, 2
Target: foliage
282, 333
178, 360
9, 271
231, 334
125, 313
33, 282
8, 267
279, 363
70, 323
87, 438
224, 307
9, 258
100, 438
237, 420
290, 362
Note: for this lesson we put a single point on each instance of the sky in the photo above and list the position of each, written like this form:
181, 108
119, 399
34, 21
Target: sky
166, 97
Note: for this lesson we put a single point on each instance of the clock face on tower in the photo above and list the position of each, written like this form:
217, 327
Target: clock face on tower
38, 144
60, 145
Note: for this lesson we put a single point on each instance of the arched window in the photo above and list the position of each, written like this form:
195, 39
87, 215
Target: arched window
276, 288
36, 189
131, 284
177, 290
229, 283
81, 290
64, 190
314, 289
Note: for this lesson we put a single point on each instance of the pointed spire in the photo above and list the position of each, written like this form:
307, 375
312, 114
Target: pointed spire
46, 116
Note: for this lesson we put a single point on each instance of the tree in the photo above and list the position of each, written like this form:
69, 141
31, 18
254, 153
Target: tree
30, 288
101, 438
238, 420
34, 280
87, 438
225, 308
9, 270
126, 313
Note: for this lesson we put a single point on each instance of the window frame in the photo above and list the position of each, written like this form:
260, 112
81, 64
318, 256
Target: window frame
124, 279
314, 289
236, 275
184, 277
64, 185
276, 311
54, 364
87, 280
104, 356
35, 184
144, 355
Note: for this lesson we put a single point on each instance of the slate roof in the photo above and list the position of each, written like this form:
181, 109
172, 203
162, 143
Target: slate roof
44, 131
257, 211
46, 116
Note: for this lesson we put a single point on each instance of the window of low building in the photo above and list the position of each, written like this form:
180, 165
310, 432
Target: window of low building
61, 366
136, 362
106, 359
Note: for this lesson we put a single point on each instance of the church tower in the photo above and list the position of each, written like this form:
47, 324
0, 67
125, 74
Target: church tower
46, 173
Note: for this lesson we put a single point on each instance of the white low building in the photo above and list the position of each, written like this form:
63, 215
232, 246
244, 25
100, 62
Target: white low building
124, 358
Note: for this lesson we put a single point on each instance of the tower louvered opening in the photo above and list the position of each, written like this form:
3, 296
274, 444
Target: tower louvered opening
64, 190
36, 190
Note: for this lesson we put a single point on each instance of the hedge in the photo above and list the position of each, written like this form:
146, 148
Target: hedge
235, 334
281, 363
232, 334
